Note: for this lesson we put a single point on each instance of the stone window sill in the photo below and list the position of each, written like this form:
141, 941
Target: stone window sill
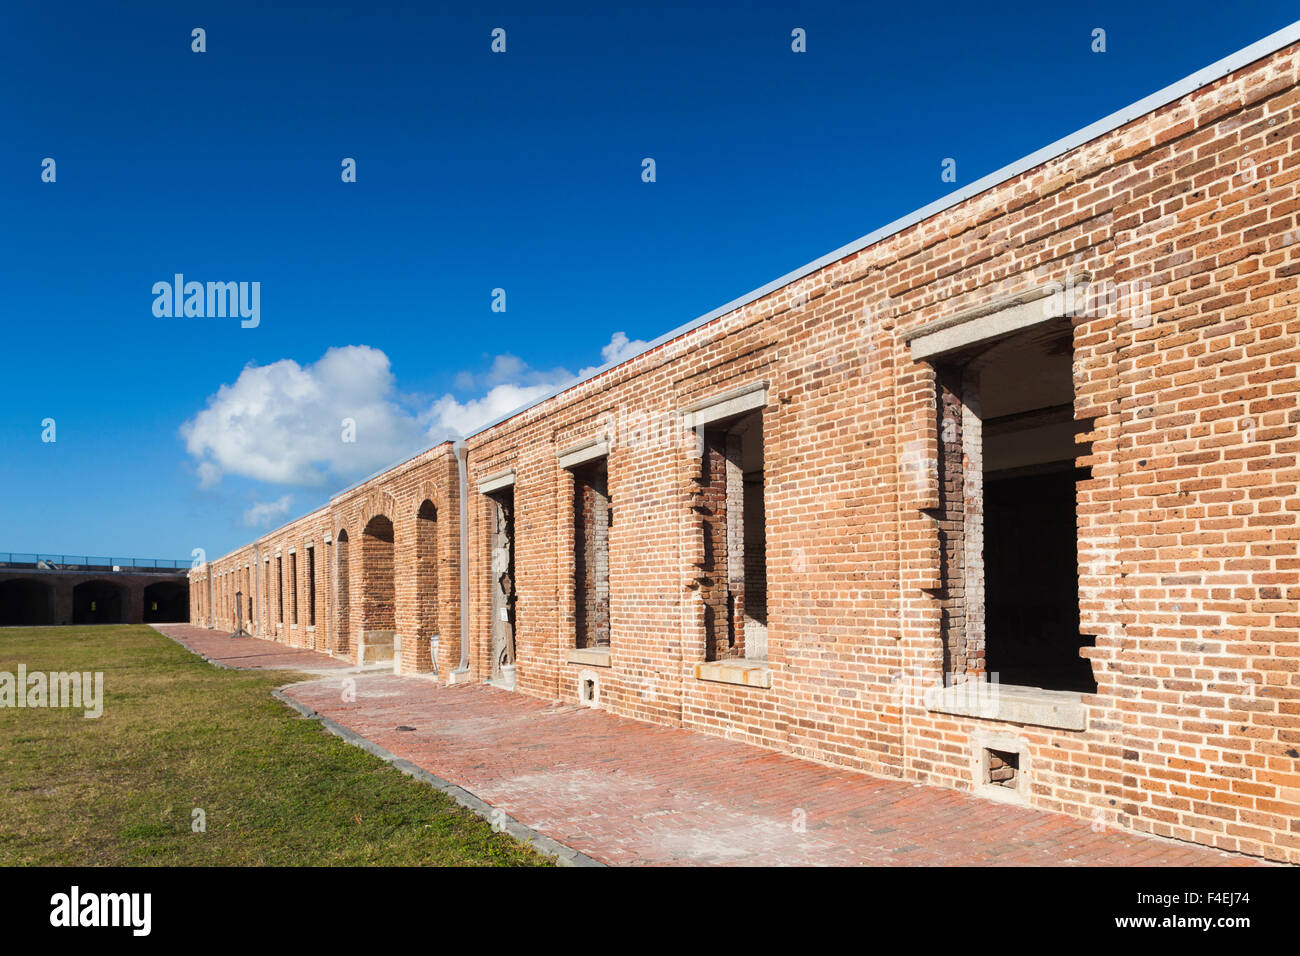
590, 656
745, 673
1010, 703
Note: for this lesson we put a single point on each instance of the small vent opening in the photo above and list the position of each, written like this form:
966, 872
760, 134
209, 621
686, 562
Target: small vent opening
1004, 768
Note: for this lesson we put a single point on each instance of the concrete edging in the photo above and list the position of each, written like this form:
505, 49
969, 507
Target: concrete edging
563, 855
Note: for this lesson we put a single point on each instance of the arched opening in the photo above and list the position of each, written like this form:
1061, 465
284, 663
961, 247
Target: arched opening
343, 599
166, 602
99, 602
379, 594
426, 585
24, 601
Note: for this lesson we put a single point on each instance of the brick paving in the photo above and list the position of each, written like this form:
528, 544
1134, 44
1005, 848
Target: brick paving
626, 792
248, 653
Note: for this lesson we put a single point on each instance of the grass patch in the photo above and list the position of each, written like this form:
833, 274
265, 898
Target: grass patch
178, 734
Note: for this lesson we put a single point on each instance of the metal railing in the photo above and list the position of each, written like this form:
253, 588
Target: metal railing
83, 562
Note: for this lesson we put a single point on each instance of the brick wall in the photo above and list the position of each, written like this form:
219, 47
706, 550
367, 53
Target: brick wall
1185, 367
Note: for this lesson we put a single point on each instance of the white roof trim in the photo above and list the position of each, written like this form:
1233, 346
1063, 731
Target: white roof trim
1175, 91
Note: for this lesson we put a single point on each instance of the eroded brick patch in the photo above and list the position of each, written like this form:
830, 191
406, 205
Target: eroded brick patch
247, 653
626, 792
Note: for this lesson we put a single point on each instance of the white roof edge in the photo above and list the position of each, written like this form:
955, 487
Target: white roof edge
1189, 84
1175, 91
405, 460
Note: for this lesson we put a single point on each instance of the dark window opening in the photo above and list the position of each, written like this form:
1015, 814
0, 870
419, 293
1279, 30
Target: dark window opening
293, 587
1032, 583
311, 587
731, 505
1007, 519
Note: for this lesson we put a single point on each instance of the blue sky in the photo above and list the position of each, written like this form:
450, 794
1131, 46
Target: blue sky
475, 171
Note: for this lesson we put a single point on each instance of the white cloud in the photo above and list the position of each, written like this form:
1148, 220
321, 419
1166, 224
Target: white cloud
510, 382
449, 418
209, 474
282, 422
510, 370
264, 512
619, 349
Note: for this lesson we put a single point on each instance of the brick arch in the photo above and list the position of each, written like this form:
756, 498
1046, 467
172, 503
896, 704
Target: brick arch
378, 590
98, 601
26, 601
424, 558
343, 586
166, 601
427, 491
378, 504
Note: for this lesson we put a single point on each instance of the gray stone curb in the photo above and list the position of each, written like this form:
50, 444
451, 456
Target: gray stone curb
563, 855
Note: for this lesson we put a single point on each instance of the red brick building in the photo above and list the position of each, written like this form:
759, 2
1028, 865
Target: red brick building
1001, 497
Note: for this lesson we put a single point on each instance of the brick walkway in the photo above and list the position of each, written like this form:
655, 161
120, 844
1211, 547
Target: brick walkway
624, 792
248, 653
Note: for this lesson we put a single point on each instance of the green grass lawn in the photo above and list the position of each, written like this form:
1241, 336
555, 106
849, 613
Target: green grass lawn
178, 734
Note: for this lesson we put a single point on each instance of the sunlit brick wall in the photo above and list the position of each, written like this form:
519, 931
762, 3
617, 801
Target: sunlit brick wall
1188, 526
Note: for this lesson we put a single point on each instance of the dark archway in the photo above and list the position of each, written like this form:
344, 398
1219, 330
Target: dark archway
167, 602
24, 601
99, 602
